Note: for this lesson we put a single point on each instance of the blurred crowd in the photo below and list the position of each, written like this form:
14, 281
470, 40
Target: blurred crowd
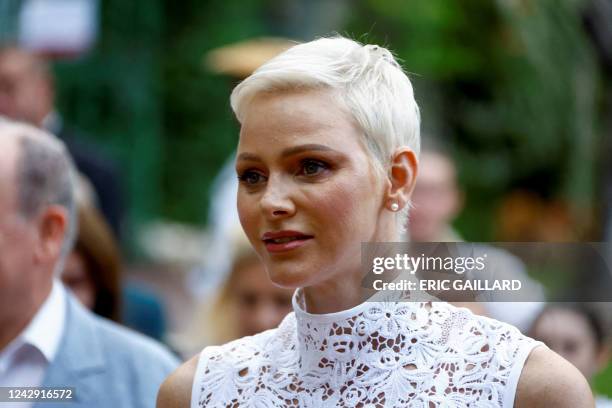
228, 296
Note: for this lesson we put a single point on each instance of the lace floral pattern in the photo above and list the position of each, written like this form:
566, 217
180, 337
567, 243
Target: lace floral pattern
425, 355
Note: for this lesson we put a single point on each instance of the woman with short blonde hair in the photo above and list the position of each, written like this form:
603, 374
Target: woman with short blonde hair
327, 160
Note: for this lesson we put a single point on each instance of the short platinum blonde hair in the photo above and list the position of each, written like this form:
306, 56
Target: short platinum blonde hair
369, 81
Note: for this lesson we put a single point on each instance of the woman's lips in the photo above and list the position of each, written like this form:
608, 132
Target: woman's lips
283, 241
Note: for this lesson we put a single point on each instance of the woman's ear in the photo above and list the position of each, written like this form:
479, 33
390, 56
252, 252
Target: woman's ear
402, 178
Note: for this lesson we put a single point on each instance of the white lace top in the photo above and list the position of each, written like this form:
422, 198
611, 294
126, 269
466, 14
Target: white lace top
374, 355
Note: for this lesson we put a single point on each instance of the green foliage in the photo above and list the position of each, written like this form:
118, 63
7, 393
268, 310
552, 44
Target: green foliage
112, 96
603, 382
199, 128
511, 85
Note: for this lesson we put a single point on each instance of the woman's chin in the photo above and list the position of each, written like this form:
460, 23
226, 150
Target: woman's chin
288, 279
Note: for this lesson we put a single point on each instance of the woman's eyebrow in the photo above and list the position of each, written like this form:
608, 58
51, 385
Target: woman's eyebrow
290, 151
248, 157
306, 148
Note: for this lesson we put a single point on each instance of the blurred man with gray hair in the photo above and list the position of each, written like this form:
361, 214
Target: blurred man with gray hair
46, 337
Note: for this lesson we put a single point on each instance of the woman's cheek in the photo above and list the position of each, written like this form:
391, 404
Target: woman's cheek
336, 206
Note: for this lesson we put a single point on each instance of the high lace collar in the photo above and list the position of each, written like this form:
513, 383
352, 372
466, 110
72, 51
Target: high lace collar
342, 337
299, 307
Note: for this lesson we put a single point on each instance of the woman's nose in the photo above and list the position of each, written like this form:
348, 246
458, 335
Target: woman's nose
276, 201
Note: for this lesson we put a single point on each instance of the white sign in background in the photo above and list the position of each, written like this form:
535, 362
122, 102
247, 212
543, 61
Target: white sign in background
58, 26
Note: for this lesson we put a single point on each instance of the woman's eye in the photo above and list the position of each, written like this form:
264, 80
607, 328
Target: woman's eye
251, 178
313, 167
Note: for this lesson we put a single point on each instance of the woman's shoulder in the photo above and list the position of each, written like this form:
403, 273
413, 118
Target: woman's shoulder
246, 348
214, 362
536, 376
175, 391
236, 352
548, 380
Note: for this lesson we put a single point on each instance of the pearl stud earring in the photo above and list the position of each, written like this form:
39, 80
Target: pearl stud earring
394, 207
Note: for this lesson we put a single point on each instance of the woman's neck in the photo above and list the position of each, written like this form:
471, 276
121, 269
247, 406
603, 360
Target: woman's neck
331, 297
345, 290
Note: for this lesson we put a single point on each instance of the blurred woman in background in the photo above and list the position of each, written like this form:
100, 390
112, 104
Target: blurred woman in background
576, 332
254, 303
246, 304
93, 272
